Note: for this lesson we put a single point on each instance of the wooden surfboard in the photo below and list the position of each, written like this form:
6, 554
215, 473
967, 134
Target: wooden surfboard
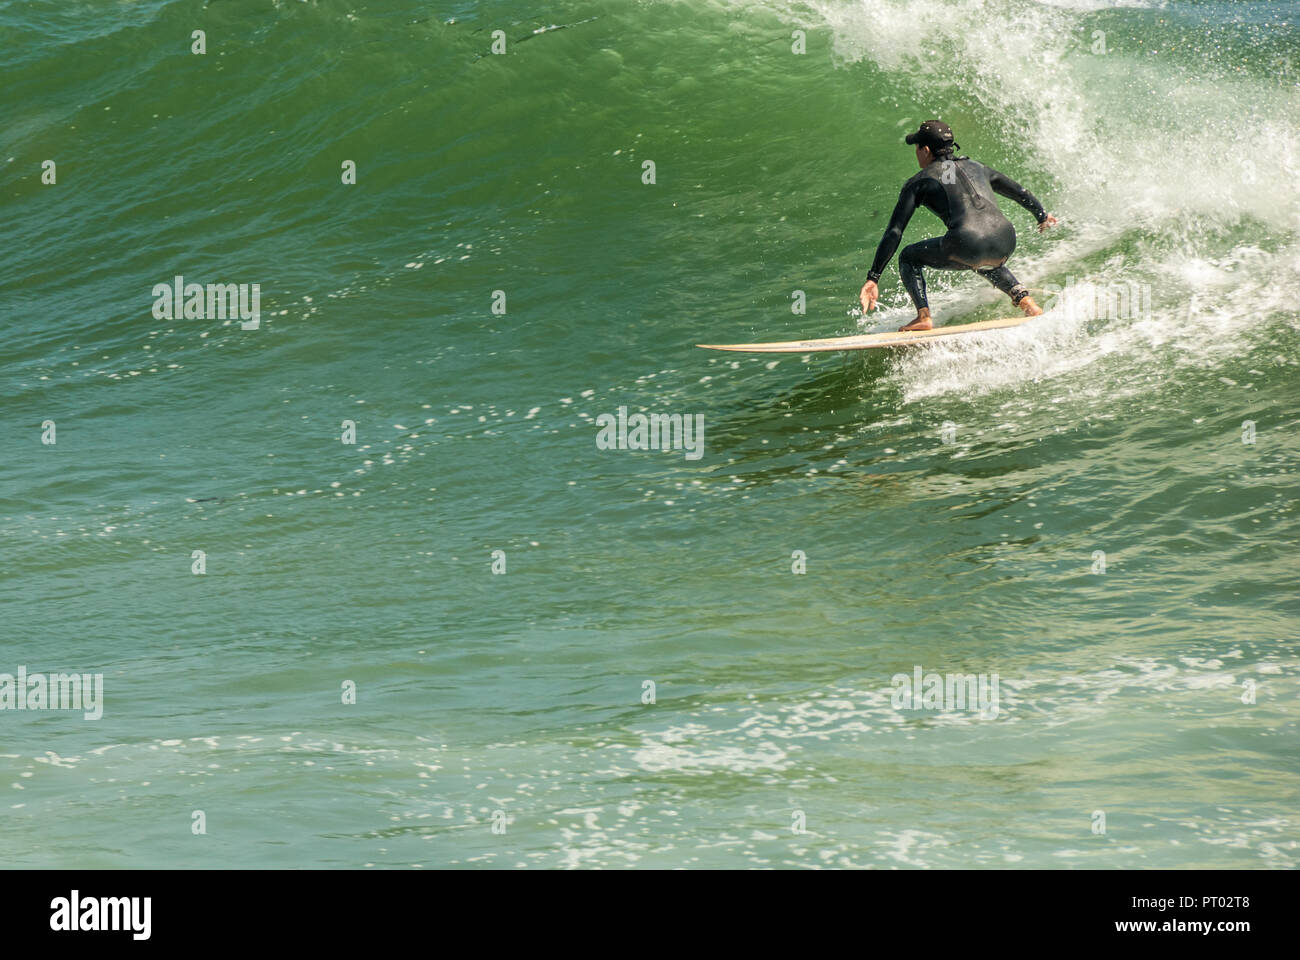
866, 341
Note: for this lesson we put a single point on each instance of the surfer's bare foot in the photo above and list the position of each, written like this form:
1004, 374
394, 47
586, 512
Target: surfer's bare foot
922, 321
1030, 308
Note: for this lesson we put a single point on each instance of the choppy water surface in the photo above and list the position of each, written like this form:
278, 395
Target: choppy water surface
949, 503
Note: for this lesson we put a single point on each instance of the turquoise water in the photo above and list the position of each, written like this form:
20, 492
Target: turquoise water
949, 502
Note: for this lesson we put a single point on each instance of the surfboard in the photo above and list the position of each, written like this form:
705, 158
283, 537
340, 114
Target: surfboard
866, 341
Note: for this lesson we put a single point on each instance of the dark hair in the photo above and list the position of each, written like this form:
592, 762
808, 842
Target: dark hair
941, 153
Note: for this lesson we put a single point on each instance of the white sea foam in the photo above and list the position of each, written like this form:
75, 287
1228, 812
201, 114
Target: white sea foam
1150, 159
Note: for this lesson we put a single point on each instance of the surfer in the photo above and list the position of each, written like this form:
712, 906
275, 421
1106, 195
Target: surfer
959, 191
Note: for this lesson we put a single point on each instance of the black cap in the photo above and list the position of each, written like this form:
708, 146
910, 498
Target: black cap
934, 134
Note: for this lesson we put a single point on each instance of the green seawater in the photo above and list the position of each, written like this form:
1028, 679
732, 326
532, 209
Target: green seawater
1098, 508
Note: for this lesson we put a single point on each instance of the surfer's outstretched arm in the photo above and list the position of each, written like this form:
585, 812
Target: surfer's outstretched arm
903, 211
1005, 186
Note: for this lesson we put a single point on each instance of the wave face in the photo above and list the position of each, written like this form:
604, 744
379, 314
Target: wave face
1099, 508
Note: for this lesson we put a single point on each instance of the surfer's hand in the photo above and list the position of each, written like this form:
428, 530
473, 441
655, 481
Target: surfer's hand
1048, 221
869, 295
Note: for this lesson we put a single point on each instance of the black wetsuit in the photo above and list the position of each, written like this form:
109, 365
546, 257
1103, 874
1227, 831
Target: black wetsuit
960, 191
